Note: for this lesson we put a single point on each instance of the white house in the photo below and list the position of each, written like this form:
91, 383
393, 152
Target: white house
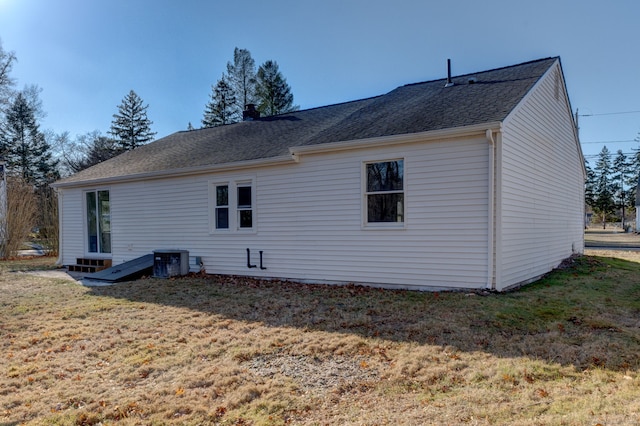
476, 184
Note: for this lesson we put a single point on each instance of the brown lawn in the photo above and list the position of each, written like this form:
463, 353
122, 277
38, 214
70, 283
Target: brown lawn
216, 350
612, 236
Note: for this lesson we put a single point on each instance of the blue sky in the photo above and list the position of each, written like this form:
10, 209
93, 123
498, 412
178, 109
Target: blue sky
87, 54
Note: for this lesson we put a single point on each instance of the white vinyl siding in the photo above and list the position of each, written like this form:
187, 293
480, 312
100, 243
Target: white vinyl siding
72, 224
308, 219
542, 186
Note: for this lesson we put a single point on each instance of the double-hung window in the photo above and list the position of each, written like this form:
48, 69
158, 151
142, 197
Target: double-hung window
233, 205
384, 193
245, 209
222, 206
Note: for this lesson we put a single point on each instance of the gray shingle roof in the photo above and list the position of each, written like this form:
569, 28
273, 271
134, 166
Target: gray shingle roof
408, 109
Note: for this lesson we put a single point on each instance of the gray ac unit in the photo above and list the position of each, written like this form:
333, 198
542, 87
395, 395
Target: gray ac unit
170, 263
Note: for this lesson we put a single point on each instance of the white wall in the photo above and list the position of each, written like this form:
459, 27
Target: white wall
542, 209
309, 219
72, 225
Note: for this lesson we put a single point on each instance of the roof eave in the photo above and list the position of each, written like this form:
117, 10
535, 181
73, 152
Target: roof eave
453, 132
188, 171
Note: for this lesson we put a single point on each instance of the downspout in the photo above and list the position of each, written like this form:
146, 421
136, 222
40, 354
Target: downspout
490, 210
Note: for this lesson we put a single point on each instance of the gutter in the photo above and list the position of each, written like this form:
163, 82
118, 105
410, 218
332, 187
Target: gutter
187, 171
293, 157
450, 133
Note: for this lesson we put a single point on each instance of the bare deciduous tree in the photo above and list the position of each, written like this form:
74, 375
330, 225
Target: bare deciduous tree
20, 216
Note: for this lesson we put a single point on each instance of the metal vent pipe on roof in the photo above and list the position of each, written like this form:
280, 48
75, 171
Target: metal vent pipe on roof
449, 82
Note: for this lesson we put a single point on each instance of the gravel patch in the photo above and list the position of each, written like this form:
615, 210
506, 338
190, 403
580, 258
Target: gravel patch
313, 373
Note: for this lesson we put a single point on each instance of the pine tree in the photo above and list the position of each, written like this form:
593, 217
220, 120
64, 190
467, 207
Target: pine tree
241, 76
130, 127
273, 93
621, 171
604, 186
590, 186
24, 146
635, 161
221, 108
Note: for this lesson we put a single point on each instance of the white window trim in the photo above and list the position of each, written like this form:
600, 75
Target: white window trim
85, 229
234, 212
365, 225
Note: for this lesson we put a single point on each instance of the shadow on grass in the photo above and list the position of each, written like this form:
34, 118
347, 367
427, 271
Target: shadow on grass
586, 314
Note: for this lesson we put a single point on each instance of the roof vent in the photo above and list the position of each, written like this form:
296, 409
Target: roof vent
250, 113
449, 82
472, 80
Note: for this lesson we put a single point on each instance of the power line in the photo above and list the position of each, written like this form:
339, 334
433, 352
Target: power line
610, 154
626, 141
609, 113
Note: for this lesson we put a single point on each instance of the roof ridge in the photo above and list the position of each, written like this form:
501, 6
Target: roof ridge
324, 106
483, 71
269, 117
419, 108
383, 94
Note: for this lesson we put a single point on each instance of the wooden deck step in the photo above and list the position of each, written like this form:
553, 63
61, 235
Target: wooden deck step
89, 265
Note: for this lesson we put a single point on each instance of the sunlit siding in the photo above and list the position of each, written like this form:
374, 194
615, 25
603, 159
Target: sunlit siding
542, 185
158, 214
72, 224
309, 220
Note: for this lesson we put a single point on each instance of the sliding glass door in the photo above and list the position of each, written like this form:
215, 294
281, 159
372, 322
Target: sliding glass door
98, 222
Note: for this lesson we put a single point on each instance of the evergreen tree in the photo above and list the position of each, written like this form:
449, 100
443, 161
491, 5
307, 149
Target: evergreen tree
241, 76
621, 177
24, 146
221, 108
589, 186
604, 203
273, 93
635, 162
130, 127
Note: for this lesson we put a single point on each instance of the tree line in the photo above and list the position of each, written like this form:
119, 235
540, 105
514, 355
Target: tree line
34, 158
242, 85
41, 157
610, 187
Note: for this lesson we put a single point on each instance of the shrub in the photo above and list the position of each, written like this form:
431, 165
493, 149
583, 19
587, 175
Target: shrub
15, 226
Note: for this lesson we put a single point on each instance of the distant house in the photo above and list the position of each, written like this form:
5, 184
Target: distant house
477, 184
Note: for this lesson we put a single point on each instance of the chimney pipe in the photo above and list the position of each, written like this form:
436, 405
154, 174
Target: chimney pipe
449, 82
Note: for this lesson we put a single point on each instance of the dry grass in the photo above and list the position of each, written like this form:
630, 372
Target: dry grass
611, 237
216, 350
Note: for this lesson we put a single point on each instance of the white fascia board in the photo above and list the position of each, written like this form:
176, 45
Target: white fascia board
187, 171
450, 133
